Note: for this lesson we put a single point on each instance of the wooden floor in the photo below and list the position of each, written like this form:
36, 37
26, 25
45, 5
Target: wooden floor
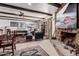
45, 44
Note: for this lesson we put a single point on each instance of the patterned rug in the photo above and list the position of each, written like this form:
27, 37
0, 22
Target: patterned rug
32, 51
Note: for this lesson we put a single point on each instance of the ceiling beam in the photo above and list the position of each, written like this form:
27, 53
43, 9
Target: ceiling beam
25, 9
14, 18
55, 4
1, 12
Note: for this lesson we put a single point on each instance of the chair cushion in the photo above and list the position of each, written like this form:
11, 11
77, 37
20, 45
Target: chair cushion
9, 42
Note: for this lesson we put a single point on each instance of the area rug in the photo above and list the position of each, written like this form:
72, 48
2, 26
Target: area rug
32, 51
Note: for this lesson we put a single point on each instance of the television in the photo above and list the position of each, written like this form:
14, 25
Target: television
67, 22
69, 17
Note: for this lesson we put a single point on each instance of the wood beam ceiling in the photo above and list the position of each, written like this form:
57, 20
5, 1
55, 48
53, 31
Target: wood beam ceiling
25, 9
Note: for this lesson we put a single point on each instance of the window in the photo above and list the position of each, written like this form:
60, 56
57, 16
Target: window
14, 24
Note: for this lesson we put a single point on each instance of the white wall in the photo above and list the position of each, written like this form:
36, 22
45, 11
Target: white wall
4, 23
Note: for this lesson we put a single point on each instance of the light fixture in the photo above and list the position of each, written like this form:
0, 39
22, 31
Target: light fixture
29, 4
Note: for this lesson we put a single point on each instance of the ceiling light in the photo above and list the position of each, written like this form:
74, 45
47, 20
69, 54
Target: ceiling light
29, 4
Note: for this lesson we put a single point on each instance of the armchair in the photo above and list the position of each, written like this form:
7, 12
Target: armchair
39, 35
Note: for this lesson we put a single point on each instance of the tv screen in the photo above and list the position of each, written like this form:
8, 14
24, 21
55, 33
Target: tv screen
69, 17
67, 22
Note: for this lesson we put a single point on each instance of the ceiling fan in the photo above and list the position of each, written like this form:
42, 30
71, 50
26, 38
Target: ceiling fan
21, 13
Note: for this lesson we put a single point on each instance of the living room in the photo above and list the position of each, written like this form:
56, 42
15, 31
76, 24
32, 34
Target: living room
26, 26
38, 29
